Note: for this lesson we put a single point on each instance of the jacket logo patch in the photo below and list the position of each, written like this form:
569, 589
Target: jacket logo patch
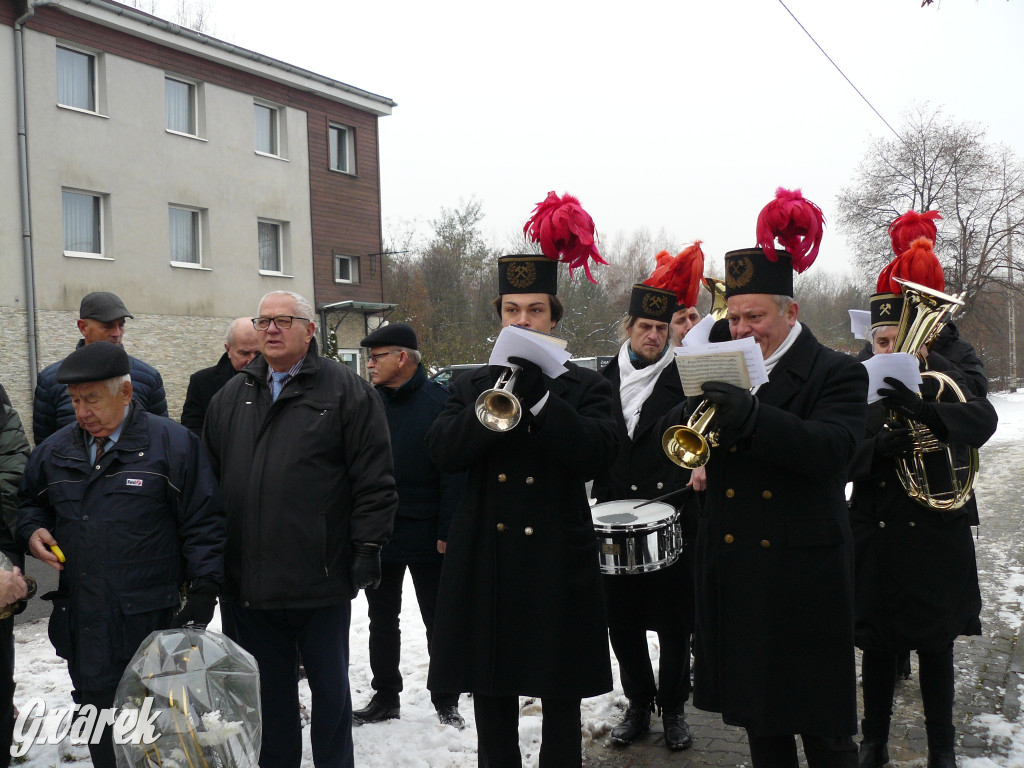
133, 482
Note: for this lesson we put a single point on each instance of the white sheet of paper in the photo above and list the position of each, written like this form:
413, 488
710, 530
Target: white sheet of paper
702, 359
860, 323
899, 365
698, 335
516, 342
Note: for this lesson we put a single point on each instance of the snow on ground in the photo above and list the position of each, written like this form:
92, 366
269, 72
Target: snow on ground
417, 740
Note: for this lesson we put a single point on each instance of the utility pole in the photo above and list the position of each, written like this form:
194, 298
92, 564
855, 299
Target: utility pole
1010, 307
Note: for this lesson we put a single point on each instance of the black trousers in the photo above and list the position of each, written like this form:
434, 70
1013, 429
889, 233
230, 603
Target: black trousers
384, 608
821, 751
637, 673
497, 731
102, 754
878, 671
6, 690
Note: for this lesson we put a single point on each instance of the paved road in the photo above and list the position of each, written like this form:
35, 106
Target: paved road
990, 668
46, 580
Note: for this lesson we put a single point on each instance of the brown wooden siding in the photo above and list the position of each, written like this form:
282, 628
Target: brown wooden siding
344, 209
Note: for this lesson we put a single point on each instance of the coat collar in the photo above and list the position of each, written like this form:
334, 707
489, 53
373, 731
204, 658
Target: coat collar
134, 435
258, 369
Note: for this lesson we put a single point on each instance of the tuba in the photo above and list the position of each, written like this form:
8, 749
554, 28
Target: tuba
933, 475
689, 445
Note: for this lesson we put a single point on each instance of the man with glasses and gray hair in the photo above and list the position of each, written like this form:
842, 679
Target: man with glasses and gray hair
301, 448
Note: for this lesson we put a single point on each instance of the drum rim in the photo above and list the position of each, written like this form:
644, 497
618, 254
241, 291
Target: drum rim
647, 525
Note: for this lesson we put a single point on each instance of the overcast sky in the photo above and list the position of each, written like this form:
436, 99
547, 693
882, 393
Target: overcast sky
671, 114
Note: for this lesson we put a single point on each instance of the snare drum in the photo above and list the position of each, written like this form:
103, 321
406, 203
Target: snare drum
637, 540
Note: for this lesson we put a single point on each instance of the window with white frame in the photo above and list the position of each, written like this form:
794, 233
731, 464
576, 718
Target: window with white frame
180, 98
342, 148
83, 214
270, 244
346, 269
349, 357
186, 235
266, 118
76, 79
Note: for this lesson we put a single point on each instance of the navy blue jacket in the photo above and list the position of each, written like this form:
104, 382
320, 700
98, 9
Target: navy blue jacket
52, 409
427, 497
133, 528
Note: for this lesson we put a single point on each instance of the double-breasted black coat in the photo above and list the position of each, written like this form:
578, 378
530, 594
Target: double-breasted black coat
775, 554
659, 600
520, 609
916, 573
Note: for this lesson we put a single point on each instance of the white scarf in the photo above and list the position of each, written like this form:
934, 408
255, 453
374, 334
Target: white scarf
636, 385
774, 357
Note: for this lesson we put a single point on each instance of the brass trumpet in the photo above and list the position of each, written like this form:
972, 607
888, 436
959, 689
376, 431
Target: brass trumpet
497, 408
689, 445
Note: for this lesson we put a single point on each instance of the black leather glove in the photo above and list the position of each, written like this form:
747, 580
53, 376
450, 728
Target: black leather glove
734, 406
366, 566
894, 442
200, 603
530, 385
900, 398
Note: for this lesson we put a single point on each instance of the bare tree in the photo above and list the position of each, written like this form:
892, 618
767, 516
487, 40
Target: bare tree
978, 186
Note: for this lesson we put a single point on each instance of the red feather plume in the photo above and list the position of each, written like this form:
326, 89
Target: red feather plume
681, 274
565, 232
910, 226
919, 264
796, 223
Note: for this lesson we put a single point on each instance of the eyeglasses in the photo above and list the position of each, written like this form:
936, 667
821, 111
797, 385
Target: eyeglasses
284, 322
383, 354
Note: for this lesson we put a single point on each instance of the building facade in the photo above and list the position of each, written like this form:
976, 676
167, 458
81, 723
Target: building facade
187, 175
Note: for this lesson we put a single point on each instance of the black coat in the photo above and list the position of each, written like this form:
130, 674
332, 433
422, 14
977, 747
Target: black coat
916, 577
520, 608
775, 554
51, 407
133, 531
427, 497
660, 600
202, 386
303, 478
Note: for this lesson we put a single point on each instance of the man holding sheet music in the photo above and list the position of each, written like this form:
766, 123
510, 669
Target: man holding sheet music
520, 610
774, 549
645, 377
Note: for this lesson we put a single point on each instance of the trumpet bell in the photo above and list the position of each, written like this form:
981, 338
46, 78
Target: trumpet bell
498, 410
685, 447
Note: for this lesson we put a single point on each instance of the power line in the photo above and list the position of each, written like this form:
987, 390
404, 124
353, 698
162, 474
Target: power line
840, 71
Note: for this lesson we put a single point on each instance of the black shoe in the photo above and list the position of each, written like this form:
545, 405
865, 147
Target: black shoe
677, 732
903, 666
637, 720
943, 759
448, 714
377, 711
872, 754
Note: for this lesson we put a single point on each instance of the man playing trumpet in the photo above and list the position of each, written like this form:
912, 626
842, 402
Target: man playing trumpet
520, 610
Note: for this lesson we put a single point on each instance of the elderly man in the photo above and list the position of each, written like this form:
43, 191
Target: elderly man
101, 318
301, 447
240, 347
427, 499
647, 382
125, 505
774, 548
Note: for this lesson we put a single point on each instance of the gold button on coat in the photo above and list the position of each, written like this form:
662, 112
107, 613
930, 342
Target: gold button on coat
765, 543
502, 478
881, 523
660, 486
528, 530
729, 538
729, 493
529, 481
501, 527
766, 494
732, 449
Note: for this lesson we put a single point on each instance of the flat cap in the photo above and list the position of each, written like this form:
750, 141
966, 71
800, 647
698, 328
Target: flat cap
98, 361
103, 306
392, 335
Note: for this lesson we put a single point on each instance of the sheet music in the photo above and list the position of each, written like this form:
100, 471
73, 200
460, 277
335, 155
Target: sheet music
860, 323
737, 362
521, 342
698, 335
899, 365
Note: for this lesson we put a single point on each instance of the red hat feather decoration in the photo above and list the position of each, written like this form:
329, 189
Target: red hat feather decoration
565, 232
796, 223
910, 226
918, 264
681, 274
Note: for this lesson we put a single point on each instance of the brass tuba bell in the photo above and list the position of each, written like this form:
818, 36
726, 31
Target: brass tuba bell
933, 475
689, 445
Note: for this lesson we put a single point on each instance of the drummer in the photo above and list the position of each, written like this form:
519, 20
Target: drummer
647, 384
